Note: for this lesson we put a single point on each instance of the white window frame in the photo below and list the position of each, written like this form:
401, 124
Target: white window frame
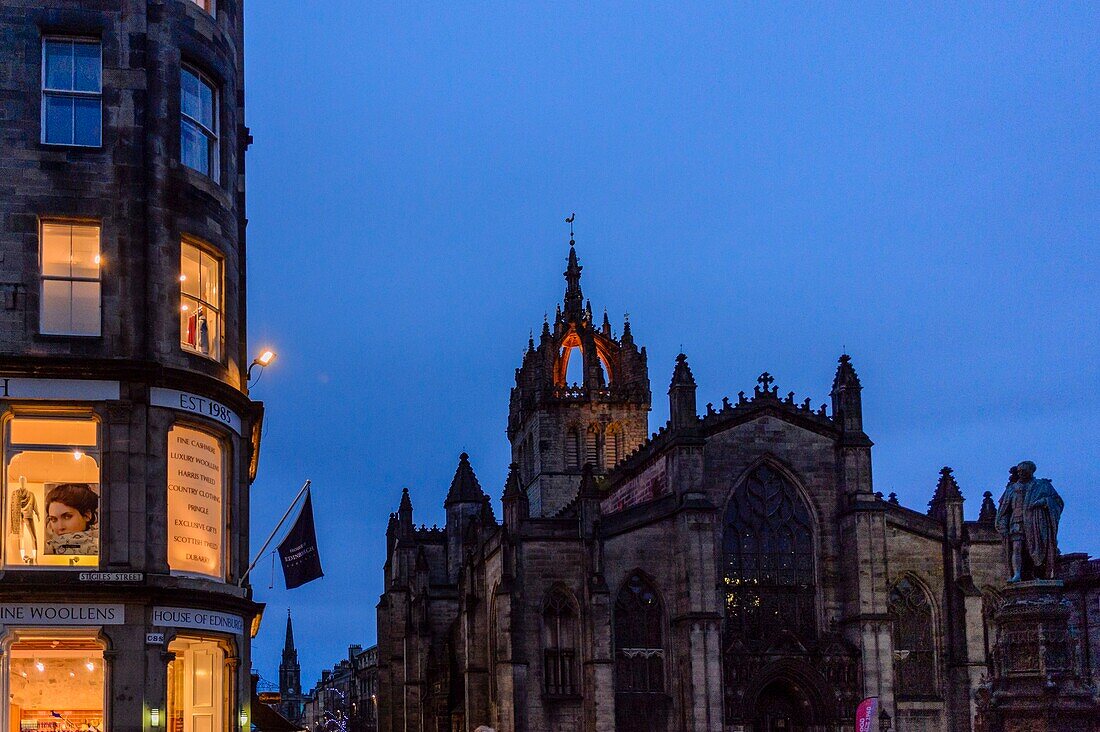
43, 278
71, 93
214, 155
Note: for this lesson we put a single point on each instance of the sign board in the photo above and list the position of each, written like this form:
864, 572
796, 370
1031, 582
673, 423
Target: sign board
77, 390
154, 639
270, 697
196, 517
185, 617
195, 404
111, 576
61, 613
867, 715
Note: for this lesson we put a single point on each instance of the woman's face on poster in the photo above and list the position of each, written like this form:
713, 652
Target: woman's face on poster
64, 519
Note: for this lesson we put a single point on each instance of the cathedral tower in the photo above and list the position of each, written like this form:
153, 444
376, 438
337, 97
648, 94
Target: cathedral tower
290, 677
581, 397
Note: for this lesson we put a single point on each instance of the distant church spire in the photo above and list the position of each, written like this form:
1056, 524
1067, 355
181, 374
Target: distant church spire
290, 673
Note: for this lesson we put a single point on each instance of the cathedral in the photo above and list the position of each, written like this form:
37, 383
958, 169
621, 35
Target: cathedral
734, 570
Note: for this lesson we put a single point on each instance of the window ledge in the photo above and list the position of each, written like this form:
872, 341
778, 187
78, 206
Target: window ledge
562, 698
62, 337
206, 183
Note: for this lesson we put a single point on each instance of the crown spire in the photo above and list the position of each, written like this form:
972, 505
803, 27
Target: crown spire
574, 299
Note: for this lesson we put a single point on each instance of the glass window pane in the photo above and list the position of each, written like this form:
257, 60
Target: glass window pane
87, 122
189, 269
85, 256
193, 148
206, 99
55, 679
56, 250
208, 279
59, 120
59, 64
196, 514
56, 306
86, 67
86, 305
189, 95
64, 432
208, 333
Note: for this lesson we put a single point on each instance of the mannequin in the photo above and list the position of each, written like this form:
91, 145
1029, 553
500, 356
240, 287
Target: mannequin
204, 332
23, 512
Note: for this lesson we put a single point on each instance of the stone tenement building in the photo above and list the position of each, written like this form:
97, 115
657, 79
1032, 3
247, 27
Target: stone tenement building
345, 698
129, 439
735, 570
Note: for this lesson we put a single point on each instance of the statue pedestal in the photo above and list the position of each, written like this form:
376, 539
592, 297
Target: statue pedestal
1037, 684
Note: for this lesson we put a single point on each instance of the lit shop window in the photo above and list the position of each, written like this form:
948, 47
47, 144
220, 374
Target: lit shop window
72, 92
56, 683
70, 266
198, 123
196, 514
52, 485
197, 689
200, 301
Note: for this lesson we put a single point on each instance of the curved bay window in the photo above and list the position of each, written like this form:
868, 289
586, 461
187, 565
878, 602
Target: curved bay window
51, 477
56, 681
769, 559
559, 639
914, 648
640, 701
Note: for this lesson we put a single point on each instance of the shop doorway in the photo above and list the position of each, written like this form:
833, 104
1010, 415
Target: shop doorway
196, 686
782, 707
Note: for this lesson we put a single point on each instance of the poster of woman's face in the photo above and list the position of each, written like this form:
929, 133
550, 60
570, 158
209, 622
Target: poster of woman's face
72, 519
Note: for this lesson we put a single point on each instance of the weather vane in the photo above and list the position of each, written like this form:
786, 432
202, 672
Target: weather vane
570, 220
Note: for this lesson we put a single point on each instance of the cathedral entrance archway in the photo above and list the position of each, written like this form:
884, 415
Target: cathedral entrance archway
782, 707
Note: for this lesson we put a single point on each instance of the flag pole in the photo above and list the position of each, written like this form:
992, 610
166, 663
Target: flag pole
273, 533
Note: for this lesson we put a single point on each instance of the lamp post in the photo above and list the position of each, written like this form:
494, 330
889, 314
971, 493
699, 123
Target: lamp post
884, 721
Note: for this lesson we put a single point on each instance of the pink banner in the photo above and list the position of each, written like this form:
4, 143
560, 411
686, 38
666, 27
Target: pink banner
866, 714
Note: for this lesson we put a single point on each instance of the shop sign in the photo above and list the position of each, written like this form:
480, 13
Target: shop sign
44, 613
195, 404
77, 390
196, 519
111, 576
183, 617
270, 697
154, 639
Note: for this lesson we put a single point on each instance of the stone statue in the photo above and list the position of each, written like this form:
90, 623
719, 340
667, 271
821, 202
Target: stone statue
1027, 520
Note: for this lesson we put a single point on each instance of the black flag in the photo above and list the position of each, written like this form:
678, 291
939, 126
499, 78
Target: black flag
298, 551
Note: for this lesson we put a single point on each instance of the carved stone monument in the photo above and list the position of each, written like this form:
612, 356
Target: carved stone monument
1037, 684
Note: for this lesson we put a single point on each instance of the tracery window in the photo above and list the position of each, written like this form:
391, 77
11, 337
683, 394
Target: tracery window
914, 647
769, 566
640, 702
559, 637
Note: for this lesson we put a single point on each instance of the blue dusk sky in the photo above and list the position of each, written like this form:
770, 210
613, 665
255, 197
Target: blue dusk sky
762, 185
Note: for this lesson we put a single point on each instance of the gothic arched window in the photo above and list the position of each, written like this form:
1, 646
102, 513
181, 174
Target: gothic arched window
559, 644
640, 701
914, 646
573, 448
592, 446
614, 445
769, 559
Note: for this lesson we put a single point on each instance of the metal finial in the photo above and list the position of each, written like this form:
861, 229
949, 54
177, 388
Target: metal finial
570, 220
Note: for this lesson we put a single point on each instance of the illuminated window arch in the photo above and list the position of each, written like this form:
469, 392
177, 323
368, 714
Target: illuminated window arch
559, 643
769, 559
910, 609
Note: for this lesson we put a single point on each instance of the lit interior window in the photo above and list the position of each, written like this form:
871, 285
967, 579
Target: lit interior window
53, 489
56, 683
200, 298
197, 689
70, 263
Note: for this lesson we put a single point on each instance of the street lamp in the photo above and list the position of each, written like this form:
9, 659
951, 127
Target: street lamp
263, 360
884, 721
